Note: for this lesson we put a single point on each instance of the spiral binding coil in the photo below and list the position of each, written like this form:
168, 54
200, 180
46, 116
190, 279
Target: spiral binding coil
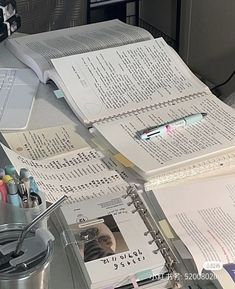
200, 167
152, 106
162, 246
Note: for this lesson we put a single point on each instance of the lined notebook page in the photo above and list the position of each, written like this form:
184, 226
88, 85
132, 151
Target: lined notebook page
117, 80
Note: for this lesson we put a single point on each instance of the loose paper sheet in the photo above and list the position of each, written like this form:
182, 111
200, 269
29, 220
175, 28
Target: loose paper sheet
80, 175
43, 143
203, 216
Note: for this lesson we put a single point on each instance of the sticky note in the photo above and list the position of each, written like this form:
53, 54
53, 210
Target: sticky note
123, 160
166, 229
97, 143
146, 274
58, 93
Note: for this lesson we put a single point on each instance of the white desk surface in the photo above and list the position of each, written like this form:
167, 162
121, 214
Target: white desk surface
47, 111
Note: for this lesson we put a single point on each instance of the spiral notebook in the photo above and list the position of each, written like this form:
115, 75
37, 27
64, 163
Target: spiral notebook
204, 147
124, 90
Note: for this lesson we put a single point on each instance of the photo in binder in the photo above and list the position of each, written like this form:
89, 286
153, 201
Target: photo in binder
112, 243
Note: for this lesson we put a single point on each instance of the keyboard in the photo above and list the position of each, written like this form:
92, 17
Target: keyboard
18, 88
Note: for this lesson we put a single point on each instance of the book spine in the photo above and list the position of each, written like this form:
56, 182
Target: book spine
133, 192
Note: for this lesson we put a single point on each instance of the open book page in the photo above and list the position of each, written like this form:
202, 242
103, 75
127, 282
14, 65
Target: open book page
47, 142
117, 80
37, 50
80, 175
119, 249
203, 216
213, 135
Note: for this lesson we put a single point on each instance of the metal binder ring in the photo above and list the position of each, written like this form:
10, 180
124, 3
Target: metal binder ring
139, 209
156, 251
150, 231
151, 242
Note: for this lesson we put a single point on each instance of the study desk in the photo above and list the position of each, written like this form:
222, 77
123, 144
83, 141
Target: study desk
49, 111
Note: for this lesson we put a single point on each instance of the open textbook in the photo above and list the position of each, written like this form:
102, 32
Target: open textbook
129, 83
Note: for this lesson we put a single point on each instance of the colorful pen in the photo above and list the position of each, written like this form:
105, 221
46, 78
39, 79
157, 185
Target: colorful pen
13, 197
6, 179
3, 191
10, 170
170, 126
24, 173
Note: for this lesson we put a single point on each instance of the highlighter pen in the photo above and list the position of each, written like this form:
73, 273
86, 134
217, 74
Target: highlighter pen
7, 179
167, 128
23, 194
13, 197
26, 183
10, 170
3, 191
24, 173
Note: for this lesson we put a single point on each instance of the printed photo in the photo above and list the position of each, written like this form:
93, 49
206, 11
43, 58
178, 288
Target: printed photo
99, 238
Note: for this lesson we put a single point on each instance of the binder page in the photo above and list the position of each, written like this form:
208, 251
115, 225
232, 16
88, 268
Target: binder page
80, 175
213, 134
120, 249
117, 80
203, 216
47, 142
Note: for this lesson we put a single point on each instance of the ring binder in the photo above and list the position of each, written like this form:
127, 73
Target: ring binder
148, 232
133, 191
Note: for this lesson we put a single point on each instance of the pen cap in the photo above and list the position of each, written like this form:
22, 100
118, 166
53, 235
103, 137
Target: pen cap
7, 179
24, 173
10, 170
